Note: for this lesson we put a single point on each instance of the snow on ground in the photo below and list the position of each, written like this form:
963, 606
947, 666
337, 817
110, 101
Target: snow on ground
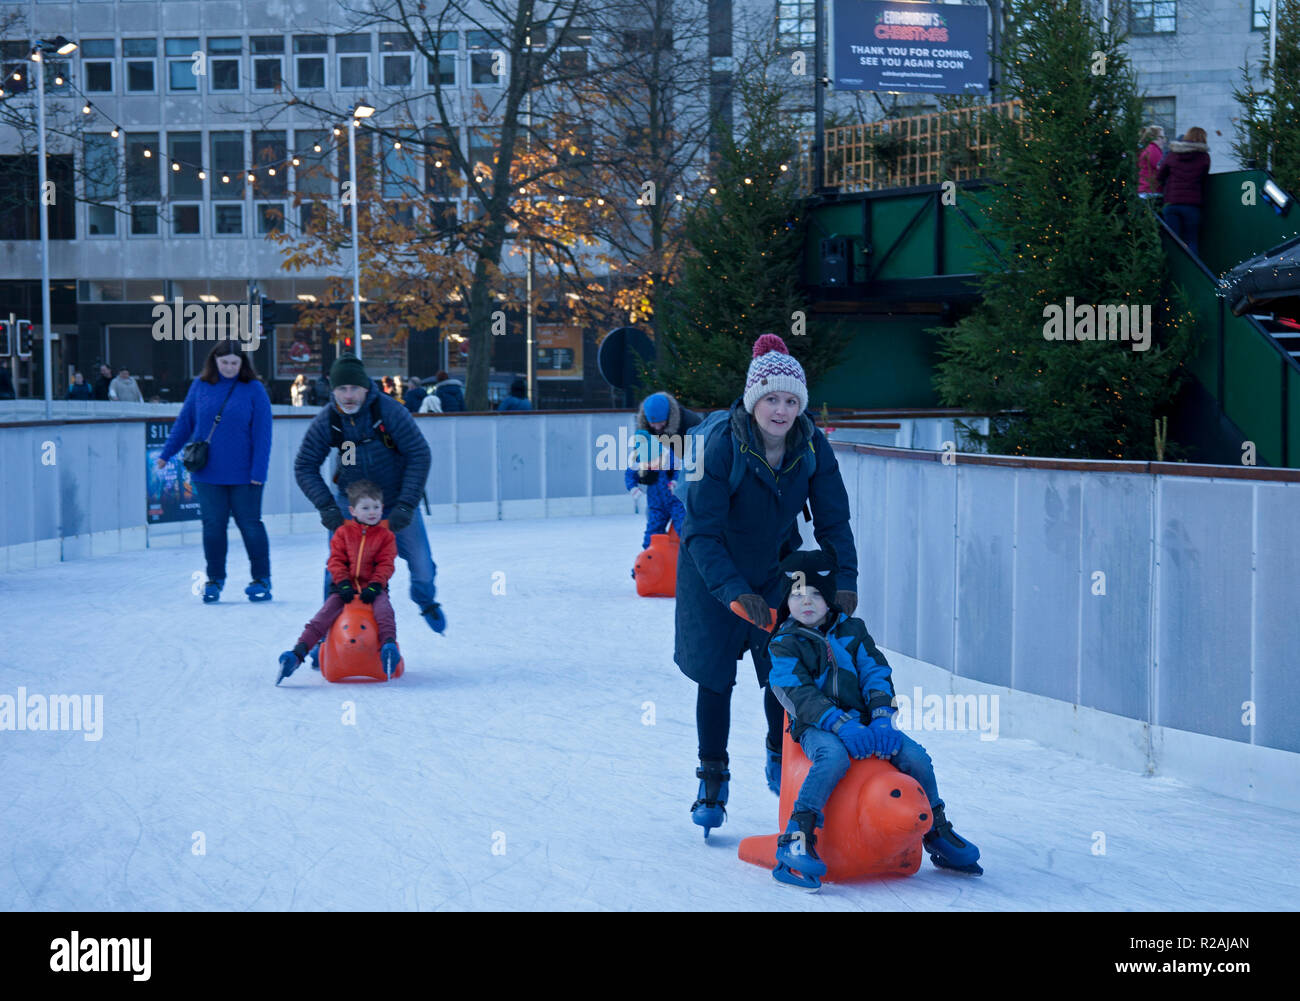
512, 768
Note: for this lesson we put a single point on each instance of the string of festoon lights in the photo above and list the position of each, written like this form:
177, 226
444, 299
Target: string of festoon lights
270, 167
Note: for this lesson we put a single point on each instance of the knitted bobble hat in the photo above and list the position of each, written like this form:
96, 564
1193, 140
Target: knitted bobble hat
774, 370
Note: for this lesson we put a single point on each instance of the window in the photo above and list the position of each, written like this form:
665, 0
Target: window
643, 39
437, 166
442, 71
1152, 17
395, 53
96, 64
401, 169
490, 55
311, 177
185, 219
1161, 111
270, 154
102, 183
1259, 15
13, 63
270, 217
365, 175
796, 26
354, 59
141, 63
142, 182
224, 56
310, 68
186, 150
228, 220
268, 61
443, 216
483, 145
227, 179
180, 64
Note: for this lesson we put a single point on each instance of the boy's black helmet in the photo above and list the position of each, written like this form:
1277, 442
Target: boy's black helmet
815, 568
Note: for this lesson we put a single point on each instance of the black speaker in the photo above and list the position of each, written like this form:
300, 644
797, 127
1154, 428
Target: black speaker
837, 261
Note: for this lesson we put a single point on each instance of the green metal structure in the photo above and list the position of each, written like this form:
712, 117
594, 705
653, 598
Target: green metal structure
891, 266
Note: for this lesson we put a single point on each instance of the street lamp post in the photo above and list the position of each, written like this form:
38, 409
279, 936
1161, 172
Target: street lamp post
63, 47
363, 110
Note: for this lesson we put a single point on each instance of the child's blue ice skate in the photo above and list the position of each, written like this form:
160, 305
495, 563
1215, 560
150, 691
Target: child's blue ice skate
773, 769
259, 590
797, 861
433, 615
389, 656
948, 850
212, 591
710, 808
315, 656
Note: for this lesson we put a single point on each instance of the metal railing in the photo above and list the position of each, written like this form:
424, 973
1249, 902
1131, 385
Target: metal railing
952, 145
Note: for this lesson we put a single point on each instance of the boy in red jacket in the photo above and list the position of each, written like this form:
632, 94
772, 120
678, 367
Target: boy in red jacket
361, 562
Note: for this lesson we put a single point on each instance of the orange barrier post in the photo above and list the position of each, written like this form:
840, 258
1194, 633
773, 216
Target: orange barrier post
351, 648
874, 819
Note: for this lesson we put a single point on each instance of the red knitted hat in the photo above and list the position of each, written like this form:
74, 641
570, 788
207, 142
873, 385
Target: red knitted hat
774, 370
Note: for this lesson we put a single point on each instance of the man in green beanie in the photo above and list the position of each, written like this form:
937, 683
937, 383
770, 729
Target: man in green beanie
377, 440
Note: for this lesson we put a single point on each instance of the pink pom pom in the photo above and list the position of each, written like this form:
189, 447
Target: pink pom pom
769, 342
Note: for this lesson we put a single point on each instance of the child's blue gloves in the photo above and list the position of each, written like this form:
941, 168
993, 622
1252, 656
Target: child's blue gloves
859, 740
887, 740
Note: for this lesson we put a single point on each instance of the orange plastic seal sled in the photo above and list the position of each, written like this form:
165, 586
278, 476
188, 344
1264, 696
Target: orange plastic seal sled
874, 819
351, 648
655, 568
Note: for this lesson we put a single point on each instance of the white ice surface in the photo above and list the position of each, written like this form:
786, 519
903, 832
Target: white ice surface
525, 719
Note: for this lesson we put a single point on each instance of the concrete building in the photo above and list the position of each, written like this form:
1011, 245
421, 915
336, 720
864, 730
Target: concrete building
190, 84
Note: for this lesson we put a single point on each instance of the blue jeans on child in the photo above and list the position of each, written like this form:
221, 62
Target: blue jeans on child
217, 502
412, 546
830, 762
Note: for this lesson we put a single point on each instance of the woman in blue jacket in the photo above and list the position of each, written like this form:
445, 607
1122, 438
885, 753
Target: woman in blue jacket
732, 545
239, 453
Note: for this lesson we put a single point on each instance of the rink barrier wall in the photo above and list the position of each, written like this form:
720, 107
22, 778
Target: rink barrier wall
1200, 562
985, 568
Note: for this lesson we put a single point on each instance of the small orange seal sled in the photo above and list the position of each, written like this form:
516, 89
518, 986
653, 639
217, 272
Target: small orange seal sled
350, 651
874, 819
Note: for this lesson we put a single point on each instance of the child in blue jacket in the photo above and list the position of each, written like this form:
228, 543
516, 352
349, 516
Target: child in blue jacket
838, 690
654, 471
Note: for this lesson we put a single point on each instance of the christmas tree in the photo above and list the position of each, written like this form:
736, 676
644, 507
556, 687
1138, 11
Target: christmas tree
742, 275
1074, 237
1268, 130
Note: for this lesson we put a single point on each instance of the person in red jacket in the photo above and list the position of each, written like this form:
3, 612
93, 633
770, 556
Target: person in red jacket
1152, 146
1182, 174
362, 553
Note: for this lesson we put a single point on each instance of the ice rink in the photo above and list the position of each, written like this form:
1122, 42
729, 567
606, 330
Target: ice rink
539, 756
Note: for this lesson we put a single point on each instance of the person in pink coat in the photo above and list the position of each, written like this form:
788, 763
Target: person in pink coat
1152, 144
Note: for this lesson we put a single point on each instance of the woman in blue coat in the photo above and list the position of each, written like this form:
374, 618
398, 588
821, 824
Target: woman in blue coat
732, 545
239, 453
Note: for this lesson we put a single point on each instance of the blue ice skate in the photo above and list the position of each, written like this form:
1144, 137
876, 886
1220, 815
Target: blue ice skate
389, 656
212, 591
710, 808
773, 769
948, 850
259, 590
288, 664
797, 862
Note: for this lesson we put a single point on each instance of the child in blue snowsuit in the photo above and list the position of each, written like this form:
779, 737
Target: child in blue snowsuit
655, 472
838, 690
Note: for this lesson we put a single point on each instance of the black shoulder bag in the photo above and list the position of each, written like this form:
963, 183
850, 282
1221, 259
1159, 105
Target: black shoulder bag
194, 456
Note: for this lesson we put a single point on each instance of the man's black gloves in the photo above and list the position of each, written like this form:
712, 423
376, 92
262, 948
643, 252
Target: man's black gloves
331, 517
400, 516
